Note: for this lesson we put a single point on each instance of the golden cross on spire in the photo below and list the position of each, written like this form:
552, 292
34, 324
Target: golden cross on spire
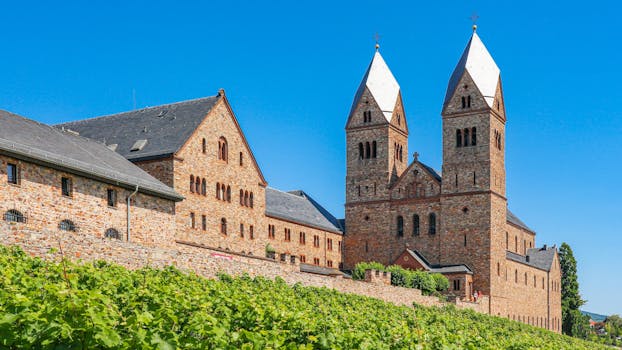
377, 39
474, 18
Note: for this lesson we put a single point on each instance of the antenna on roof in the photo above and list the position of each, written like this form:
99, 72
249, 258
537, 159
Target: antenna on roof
134, 98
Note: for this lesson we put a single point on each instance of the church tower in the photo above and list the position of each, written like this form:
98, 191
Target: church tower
473, 202
376, 135
377, 154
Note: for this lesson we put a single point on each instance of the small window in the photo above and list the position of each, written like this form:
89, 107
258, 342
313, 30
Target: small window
192, 220
469, 101
288, 235
361, 152
303, 238
242, 197
223, 152
217, 190
241, 230
271, 231
241, 159
112, 233
400, 226
223, 226
463, 102
373, 149
67, 225
250, 199
316, 261
465, 241
466, 137
456, 284
473, 136
415, 225
329, 263
66, 187
329, 244
303, 259
204, 222
204, 187
367, 150
12, 174
458, 138
197, 185
432, 224
14, 216
192, 184
112, 197
316, 241
229, 194
251, 232
204, 146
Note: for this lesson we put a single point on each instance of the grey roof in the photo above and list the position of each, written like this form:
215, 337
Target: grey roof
431, 170
166, 128
299, 207
325, 271
511, 218
540, 258
42, 144
459, 268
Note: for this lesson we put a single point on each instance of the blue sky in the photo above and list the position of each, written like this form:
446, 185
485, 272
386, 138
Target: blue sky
291, 69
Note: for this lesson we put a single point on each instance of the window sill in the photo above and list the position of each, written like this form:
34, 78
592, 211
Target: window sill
18, 185
65, 196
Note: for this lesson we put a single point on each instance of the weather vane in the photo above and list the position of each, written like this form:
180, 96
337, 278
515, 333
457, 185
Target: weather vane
377, 39
474, 18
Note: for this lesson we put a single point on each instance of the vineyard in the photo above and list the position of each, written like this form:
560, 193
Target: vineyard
62, 305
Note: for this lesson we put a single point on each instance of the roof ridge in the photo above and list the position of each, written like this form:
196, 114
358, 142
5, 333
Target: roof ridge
138, 110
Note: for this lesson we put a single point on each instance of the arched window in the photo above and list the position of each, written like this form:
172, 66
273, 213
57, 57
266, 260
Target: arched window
229, 194
498, 269
373, 149
250, 199
204, 187
473, 136
525, 278
367, 150
223, 190
241, 197
463, 102
217, 190
67, 225
14, 216
361, 152
516, 244
401, 153
469, 101
223, 226
415, 225
466, 137
204, 146
507, 241
515, 276
246, 198
197, 185
241, 159
223, 152
432, 223
400, 226
112, 233
458, 138
192, 183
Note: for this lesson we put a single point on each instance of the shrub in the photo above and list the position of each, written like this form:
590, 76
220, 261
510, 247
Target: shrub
359, 269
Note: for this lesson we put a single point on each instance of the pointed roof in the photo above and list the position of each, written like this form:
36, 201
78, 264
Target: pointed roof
381, 84
477, 61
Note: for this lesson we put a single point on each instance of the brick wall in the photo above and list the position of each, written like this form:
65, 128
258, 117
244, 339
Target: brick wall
38, 197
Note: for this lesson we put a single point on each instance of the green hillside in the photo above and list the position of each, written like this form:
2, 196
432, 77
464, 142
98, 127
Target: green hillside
101, 306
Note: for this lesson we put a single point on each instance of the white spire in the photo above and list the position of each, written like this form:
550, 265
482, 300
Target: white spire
382, 85
481, 67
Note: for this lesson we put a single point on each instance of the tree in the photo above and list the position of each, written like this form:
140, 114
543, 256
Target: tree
573, 322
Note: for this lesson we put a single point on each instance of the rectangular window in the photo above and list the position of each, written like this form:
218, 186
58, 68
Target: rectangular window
456, 284
251, 232
339, 243
288, 235
271, 231
192, 223
329, 244
316, 261
66, 187
112, 197
204, 222
316, 241
241, 230
329, 263
303, 259
11, 171
303, 238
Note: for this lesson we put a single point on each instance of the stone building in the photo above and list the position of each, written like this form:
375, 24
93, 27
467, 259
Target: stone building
58, 181
198, 149
406, 213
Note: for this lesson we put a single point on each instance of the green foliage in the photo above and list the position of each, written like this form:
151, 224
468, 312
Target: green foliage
104, 306
573, 322
429, 283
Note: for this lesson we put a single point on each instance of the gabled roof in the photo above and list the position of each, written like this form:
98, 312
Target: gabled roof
540, 258
425, 167
42, 144
381, 84
299, 207
165, 128
438, 268
477, 61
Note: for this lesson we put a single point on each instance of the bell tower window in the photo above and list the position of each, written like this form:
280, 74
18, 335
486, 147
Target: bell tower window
400, 226
466, 137
361, 152
458, 138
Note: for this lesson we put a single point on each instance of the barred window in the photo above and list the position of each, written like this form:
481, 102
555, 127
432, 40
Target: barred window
112, 233
14, 216
67, 225
111, 197
12, 174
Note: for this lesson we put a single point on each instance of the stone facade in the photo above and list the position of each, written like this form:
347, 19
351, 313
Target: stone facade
38, 197
463, 220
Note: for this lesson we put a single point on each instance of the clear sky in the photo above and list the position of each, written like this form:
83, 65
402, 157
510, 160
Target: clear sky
291, 68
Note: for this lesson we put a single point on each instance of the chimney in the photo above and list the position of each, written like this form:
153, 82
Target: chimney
544, 248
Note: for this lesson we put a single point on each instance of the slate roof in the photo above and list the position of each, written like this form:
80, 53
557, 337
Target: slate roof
438, 268
541, 258
166, 128
432, 171
477, 61
381, 84
319, 270
518, 222
299, 207
42, 144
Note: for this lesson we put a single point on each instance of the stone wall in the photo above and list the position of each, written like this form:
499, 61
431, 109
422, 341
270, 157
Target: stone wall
202, 261
39, 198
